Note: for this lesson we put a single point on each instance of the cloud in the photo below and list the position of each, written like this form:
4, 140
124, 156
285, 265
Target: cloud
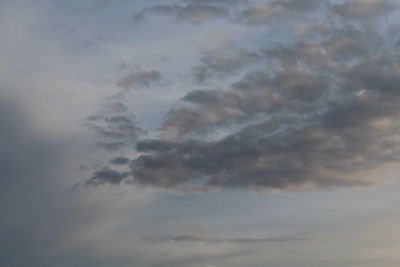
271, 12
119, 161
337, 46
263, 12
220, 65
111, 146
315, 156
191, 12
258, 93
298, 5
206, 239
115, 125
363, 9
322, 114
350, 43
139, 79
107, 176
318, 111
216, 2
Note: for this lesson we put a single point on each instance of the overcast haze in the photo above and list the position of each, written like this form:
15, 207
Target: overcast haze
201, 133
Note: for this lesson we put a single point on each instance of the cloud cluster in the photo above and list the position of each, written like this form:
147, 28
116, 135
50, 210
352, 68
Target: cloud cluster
320, 112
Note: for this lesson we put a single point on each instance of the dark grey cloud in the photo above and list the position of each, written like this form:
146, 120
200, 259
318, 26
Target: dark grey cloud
324, 154
363, 9
139, 79
190, 12
259, 93
119, 161
199, 238
115, 125
107, 176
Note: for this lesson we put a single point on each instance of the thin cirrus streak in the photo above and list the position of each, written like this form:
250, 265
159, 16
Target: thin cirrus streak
206, 239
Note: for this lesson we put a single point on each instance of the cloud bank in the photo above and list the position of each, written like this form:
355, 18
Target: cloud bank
316, 108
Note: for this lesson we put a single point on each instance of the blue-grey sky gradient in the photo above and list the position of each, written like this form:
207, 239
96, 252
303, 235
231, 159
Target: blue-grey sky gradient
201, 133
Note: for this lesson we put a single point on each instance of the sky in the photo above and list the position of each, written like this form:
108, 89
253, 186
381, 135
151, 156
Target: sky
201, 133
